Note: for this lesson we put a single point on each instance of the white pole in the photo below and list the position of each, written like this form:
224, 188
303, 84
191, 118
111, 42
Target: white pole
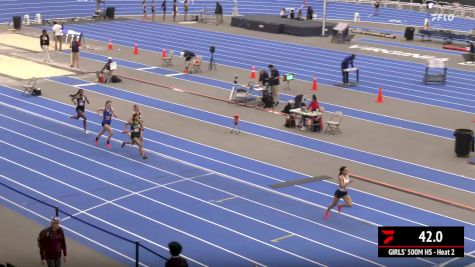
324, 16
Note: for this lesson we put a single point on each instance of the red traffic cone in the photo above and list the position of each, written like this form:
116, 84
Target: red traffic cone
314, 85
380, 96
253, 72
110, 45
136, 49
164, 53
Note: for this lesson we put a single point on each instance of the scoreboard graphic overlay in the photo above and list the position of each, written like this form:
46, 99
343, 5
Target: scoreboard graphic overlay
408, 241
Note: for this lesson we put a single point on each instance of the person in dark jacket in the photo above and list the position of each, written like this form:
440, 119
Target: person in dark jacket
175, 260
188, 55
44, 43
344, 65
164, 8
218, 11
309, 13
52, 244
274, 81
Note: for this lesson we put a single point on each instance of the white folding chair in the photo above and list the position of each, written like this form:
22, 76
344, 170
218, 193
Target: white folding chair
167, 61
30, 86
333, 125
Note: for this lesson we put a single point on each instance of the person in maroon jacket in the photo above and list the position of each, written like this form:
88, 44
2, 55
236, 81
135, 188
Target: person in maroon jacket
52, 242
176, 260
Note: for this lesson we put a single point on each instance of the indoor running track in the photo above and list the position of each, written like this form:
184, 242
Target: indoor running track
211, 213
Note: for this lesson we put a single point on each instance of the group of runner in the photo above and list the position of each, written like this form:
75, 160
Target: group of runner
134, 127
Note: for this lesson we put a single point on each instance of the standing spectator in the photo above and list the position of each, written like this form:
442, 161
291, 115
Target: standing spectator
309, 13
175, 9
274, 83
58, 36
153, 10
144, 8
292, 14
75, 53
218, 11
44, 43
344, 65
186, 6
52, 242
164, 8
176, 260
377, 5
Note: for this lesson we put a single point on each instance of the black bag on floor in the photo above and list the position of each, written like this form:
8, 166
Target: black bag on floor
290, 121
36, 92
115, 79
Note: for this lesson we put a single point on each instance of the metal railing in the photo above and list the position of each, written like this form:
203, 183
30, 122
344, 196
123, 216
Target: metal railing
57, 211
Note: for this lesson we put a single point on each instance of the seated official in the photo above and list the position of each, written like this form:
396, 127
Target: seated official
283, 14
292, 14
315, 106
345, 64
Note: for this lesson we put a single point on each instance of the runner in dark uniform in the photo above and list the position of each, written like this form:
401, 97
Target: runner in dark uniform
136, 110
80, 100
136, 128
107, 113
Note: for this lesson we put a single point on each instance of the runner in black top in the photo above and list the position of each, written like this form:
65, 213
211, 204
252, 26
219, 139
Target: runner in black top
136, 128
80, 100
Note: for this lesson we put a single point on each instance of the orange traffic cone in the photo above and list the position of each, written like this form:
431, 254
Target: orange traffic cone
164, 53
253, 72
136, 49
314, 85
110, 45
380, 96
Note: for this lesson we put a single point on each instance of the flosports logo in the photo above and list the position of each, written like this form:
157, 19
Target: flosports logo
443, 17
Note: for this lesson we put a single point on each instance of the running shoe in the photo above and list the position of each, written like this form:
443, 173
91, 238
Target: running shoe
327, 215
144, 157
123, 144
97, 141
108, 146
339, 208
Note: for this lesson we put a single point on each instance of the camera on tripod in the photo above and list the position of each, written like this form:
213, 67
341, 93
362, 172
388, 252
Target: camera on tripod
211, 64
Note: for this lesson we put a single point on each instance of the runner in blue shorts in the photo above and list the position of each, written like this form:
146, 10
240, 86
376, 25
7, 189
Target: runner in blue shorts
107, 113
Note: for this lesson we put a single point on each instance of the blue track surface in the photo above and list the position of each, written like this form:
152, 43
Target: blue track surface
336, 10
457, 94
413, 170
63, 158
